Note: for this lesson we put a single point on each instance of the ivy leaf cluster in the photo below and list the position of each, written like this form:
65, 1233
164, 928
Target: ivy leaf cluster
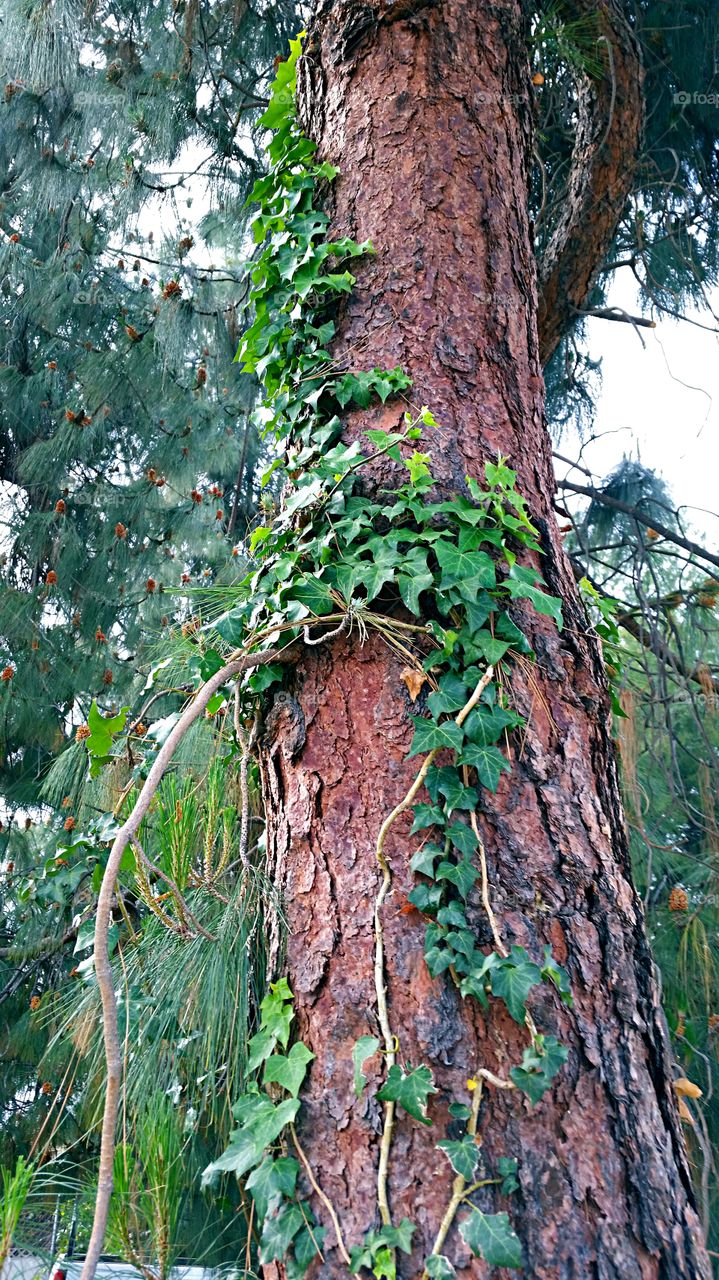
254, 1153
378, 1249
464, 570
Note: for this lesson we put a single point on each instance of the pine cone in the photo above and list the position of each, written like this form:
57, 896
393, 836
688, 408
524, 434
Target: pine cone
678, 899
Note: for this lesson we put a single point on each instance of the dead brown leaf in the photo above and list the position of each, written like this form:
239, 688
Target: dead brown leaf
414, 680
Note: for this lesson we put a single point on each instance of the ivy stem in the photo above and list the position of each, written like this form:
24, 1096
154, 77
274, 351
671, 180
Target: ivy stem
483, 1182
459, 1186
486, 902
390, 1040
321, 1196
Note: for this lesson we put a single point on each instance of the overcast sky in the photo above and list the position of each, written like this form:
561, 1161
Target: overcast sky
659, 403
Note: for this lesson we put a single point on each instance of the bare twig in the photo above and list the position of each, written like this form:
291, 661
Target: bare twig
694, 548
486, 903
616, 313
344, 625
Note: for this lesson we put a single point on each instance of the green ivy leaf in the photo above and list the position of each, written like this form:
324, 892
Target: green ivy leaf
438, 959
520, 585
376, 1250
428, 735
556, 974
259, 1047
450, 696
410, 1088
427, 815
438, 1267
388, 441
468, 571
399, 1237
513, 979
311, 591
462, 874
279, 1231
487, 760
486, 725
306, 1247
459, 1110
463, 838
365, 1047
276, 1011
448, 783
103, 728
260, 1123
491, 1237
242, 1154
463, 1155
453, 915
419, 472
507, 1170
271, 1181
415, 578
540, 1064
486, 646
422, 862
289, 1071
425, 897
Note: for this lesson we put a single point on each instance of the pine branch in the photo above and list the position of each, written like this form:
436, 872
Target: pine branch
588, 491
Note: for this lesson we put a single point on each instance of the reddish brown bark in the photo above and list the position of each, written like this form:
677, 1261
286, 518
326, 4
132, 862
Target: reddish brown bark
610, 122
425, 108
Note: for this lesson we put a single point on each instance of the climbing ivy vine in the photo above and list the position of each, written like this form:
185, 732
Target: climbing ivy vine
437, 579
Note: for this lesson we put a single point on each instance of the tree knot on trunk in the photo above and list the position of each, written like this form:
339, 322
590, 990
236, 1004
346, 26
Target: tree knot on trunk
285, 728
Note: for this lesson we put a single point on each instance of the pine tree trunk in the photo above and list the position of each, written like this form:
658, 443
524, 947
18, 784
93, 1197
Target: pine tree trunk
426, 109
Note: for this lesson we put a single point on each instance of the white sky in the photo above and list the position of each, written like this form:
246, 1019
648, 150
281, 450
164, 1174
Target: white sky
659, 403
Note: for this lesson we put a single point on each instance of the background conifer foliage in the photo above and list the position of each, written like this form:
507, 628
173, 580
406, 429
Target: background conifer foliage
128, 149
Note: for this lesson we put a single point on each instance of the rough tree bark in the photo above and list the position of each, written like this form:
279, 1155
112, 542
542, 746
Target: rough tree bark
609, 128
425, 107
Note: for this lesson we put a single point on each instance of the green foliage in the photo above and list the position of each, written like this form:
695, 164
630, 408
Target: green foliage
121, 299
286, 1223
377, 1251
16, 1186
410, 1088
363, 1049
490, 1236
150, 1186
